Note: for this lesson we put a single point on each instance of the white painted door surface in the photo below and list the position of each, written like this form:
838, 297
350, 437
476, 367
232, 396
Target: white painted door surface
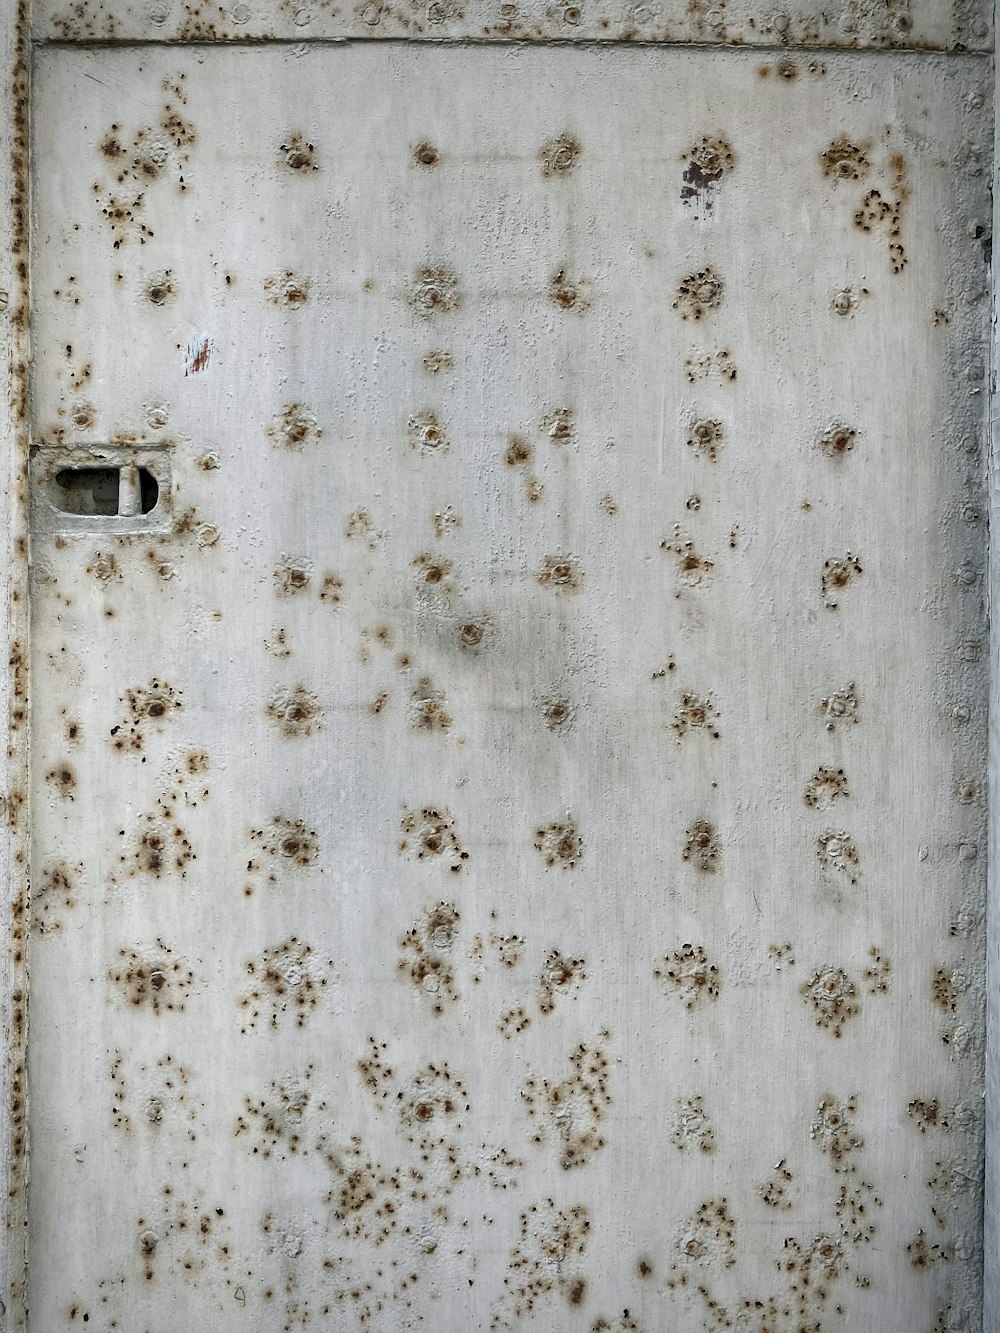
508, 822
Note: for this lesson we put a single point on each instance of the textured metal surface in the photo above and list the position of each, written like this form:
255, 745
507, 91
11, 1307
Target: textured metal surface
513, 854
897, 24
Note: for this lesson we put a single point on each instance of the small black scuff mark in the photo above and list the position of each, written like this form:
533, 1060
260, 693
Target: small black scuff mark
197, 353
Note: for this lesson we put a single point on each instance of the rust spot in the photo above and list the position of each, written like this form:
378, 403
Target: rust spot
928, 1114
104, 566
296, 711
558, 424
568, 293
845, 161
291, 576
705, 437
837, 574
560, 156
148, 704
297, 155
559, 843
838, 440
694, 713
425, 950
688, 973
559, 976
429, 833
286, 289
698, 294
155, 979
331, 589
436, 361
425, 435
561, 573
557, 713
706, 163
160, 289
427, 708
826, 786
833, 998
944, 991
702, 846
295, 427
692, 1126
285, 979
837, 852
434, 291
83, 416
426, 155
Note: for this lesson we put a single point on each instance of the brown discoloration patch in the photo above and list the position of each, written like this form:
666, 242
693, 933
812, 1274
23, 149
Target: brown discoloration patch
698, 294
561, 155
297, 711
543, 1261
83, 417
689, 974
433, 572
286, 979
559, 843
833, 998
155, 979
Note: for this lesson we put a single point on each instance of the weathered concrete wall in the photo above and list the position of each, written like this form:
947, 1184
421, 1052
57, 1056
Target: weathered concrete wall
509, 825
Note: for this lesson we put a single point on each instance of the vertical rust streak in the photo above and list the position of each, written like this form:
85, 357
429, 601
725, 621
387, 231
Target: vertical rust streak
16, 522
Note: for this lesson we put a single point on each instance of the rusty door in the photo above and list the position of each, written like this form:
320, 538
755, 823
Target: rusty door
507, 667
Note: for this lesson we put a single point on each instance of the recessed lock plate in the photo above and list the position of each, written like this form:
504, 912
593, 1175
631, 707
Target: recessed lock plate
101, 488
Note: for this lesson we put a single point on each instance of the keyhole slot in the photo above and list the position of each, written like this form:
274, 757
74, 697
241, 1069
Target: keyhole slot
105, 491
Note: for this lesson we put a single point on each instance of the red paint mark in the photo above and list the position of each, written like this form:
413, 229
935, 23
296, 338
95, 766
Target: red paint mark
198, 351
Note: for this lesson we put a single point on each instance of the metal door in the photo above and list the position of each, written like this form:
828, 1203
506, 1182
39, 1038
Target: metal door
508, 669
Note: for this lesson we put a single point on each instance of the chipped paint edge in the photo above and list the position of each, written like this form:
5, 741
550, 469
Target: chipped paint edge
15, 54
